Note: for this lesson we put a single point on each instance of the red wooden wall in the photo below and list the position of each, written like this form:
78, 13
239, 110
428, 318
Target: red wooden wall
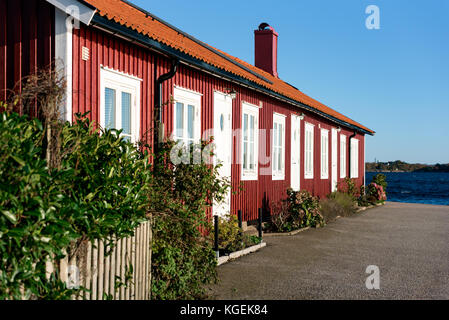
120, 55
113, 53
26, 41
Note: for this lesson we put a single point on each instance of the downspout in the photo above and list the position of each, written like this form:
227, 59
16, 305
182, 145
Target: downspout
350, 152
158, 125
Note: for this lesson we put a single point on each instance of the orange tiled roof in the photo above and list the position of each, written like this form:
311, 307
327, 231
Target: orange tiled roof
135, 19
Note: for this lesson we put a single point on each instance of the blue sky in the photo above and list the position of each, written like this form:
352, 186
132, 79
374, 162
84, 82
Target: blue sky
394, 80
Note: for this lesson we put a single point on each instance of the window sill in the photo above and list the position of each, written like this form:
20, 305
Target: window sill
278, 177
248, 178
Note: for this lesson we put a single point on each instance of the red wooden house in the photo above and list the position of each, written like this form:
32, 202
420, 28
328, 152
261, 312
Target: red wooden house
122, 63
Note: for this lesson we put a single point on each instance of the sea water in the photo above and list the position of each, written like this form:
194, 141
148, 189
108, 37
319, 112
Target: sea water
416, 187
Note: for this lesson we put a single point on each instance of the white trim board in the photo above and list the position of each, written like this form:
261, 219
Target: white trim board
76, 9
63, 57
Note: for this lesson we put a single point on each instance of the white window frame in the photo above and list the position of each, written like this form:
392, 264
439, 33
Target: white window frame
278, 119
248, 174
187, 97
121, 82
343, 153
324, 155
354, 158
309, 131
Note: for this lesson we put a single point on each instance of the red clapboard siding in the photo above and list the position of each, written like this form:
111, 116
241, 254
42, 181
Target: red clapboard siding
113, 53
122, 56
26, 41
3, 49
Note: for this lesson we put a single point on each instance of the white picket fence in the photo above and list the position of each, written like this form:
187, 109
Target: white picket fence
93, 268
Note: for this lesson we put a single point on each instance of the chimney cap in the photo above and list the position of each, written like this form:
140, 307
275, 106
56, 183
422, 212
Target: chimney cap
264, 25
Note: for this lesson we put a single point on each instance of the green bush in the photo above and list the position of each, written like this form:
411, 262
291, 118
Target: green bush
381, 180
348, 186
337, 204
282, 219
231, 238
299, 210
375, 192
305, 208
364, 199
107, 181
183, 257
98, 188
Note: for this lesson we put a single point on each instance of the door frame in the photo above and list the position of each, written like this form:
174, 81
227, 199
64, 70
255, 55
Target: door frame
226, 99
334, 161
295, 121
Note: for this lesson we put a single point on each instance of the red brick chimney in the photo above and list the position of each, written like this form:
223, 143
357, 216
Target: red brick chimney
266, 49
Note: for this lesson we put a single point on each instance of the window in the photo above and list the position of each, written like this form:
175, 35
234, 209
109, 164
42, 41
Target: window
324, 154
120, 103
187, 117
308, 150
250, 141
343, 152
278, 152
354, 158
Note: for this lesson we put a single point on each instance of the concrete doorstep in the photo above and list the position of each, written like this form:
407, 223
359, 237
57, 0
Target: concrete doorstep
241, 253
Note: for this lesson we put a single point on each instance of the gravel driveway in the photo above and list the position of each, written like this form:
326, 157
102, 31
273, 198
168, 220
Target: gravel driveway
408, 242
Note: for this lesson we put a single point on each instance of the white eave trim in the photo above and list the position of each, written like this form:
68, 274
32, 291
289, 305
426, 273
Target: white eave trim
76, 9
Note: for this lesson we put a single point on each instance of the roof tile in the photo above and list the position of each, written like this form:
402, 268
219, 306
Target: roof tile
135, 19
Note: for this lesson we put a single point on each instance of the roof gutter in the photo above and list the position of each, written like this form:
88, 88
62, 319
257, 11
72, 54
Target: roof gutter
135, 37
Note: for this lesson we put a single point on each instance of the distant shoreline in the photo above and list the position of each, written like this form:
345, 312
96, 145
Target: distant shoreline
400, 166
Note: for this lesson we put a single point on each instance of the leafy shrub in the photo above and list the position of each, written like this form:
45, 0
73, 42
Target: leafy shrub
337, 204
348, 186
107, 181
231, 238
305, 207
381, 180
97, 187
183, 259
363, 200
282, 219
299, 210
377, 189
376, 193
